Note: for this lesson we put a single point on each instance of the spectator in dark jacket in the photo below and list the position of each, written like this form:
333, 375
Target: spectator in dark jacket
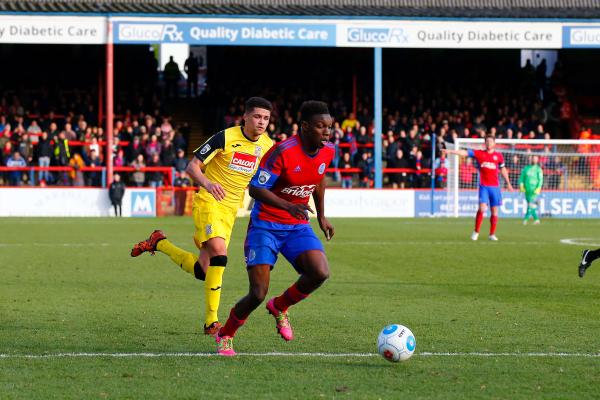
44, 154
399, 179
155, 178
116, 191
181, 161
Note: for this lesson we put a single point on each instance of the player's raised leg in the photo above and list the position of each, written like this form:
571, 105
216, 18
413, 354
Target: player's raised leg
158, 242
258, 276
587, 258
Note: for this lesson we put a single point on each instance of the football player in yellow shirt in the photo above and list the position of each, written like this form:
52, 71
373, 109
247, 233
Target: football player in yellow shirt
223, 167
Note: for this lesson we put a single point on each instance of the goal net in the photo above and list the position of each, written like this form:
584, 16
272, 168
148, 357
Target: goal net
571, 178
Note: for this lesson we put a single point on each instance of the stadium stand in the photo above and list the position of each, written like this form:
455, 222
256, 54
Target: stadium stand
363, 8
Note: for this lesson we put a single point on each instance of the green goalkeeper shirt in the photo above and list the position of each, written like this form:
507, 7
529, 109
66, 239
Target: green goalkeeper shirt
532, 177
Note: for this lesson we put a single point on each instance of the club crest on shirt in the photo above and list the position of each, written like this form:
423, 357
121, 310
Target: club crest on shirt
322, 168
495, 158
263, 177
205, 149
257, 151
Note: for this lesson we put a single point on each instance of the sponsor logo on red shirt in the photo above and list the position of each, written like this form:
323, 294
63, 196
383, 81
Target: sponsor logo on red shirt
303, 191
243, 162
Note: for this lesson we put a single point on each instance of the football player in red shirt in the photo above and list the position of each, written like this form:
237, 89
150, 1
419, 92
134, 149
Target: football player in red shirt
289, 174
489, 162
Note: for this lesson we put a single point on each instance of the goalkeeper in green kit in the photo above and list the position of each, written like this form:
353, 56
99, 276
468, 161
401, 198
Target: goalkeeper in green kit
530, 182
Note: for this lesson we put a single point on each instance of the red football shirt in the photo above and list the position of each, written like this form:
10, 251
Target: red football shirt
291, 174
489, 165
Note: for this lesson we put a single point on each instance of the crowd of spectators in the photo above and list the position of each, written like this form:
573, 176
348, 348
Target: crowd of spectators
411, 119
65, 132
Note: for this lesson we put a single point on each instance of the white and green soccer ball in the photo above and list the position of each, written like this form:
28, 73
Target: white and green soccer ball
396, 343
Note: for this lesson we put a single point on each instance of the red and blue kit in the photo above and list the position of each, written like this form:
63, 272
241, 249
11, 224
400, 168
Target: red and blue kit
293, 175
489, 165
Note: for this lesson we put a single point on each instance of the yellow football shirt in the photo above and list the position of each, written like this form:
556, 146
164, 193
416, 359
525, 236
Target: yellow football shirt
231, 159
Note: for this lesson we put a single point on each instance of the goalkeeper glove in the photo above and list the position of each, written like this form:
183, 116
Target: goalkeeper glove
522, 188
538, 190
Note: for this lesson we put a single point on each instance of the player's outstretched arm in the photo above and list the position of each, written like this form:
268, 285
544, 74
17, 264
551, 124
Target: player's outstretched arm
319, 198
299, 211
462, 153
194, 169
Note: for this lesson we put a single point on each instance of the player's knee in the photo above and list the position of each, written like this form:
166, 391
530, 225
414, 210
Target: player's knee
321, 273
199, 272
258, 292
218, 261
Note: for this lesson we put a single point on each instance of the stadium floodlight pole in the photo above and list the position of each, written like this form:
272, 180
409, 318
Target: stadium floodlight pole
109, 101
377, 136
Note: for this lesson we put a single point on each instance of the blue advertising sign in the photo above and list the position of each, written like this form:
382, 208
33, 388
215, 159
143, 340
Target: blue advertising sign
143, 203
226, 33
550, 204
581, 36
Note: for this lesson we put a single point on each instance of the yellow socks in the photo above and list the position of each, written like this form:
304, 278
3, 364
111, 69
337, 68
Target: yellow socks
212, 287
184, 259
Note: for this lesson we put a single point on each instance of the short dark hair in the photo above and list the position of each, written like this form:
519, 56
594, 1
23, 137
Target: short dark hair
312, 107
258, 102
490, 136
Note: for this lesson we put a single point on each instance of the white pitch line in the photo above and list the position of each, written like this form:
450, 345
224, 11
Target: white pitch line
580, 242
55, 244
467, 242
279, 354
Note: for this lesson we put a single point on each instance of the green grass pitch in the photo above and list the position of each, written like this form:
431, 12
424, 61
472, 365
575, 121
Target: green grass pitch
70, 286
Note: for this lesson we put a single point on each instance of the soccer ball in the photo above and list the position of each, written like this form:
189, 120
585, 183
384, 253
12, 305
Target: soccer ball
396, 343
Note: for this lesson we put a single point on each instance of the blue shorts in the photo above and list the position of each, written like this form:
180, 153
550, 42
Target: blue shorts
265, 240
490, 195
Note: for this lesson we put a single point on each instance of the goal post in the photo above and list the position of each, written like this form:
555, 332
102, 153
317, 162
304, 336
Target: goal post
571, 177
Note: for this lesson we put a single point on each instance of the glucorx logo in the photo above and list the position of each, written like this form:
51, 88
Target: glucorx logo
376, 35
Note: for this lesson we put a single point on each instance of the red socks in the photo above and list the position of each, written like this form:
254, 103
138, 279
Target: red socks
282, 303
478, 221
289, 298
493, 223
232, 325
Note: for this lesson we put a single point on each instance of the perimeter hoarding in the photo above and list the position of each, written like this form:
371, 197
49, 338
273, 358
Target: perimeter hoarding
450, 34
44, 29
226, 32
384, 33
580, 204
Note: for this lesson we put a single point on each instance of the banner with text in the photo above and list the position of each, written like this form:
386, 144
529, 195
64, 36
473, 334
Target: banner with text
58, 202
550, 204
369, 203
450, 34
226, 32
587, 36
52, 30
